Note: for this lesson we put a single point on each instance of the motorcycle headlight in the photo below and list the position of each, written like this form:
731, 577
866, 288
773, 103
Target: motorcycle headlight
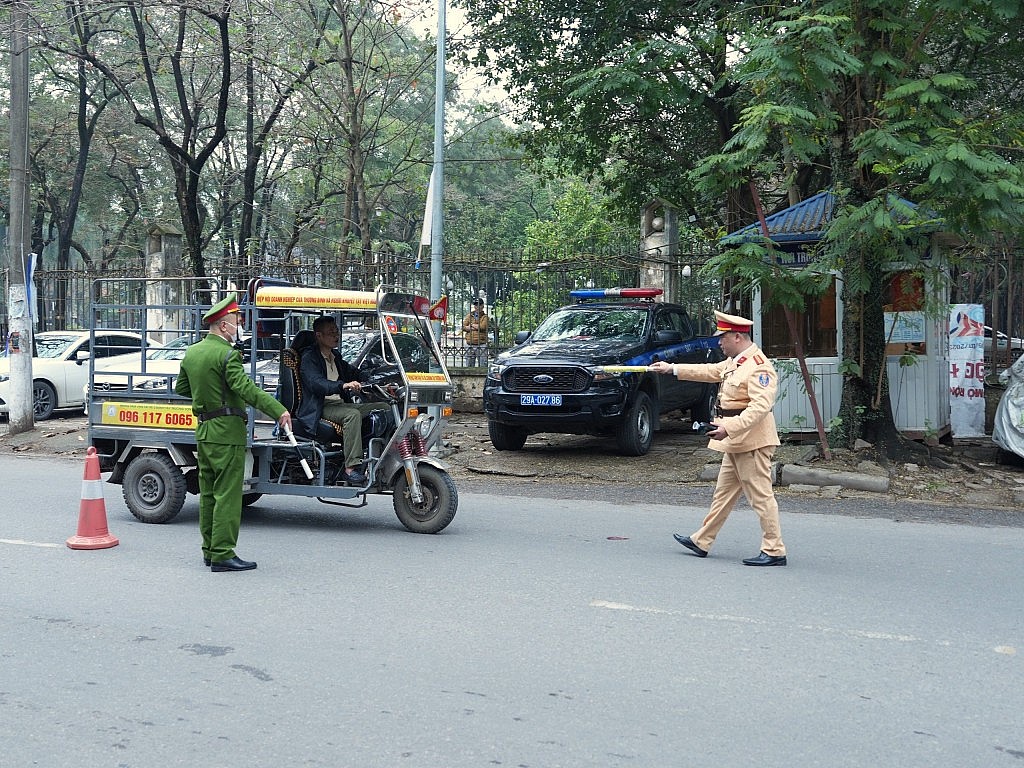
424, 423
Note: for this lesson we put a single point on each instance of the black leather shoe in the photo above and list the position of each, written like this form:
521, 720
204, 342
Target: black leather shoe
763, 559
687, 542
355, 477
234, 564
207, 562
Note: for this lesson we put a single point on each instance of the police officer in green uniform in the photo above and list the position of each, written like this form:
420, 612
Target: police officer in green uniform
213, 376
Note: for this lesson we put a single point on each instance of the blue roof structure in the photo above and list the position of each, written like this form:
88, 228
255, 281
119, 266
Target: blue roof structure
804, 222
799, 224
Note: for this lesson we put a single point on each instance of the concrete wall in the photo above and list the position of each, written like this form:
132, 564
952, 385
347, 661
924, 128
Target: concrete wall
469, 389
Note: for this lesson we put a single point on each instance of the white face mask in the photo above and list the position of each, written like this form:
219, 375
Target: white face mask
236, 335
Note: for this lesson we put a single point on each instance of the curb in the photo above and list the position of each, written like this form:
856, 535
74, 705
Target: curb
793, 474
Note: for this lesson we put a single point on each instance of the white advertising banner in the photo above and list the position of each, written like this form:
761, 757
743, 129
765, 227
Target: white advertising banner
967, 370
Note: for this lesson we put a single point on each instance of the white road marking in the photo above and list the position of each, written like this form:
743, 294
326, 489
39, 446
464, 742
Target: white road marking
859, 633
29, 543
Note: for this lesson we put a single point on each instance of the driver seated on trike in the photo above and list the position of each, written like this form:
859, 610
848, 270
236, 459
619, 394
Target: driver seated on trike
328, 383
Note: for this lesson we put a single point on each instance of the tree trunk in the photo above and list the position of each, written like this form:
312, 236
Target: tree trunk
865, 410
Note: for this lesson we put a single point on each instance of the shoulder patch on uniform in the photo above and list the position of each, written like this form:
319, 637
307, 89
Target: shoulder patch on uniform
758, 359
764, 379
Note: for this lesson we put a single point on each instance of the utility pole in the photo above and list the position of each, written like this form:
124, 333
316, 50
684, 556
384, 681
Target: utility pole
437, 177
19, 311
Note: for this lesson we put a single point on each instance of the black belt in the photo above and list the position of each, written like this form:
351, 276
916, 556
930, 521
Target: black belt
730, 411
225, 411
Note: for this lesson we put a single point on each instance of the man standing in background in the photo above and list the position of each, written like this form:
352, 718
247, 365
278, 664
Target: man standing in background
474, 331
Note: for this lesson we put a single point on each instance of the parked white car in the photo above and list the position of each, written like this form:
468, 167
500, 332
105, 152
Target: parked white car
155, 372
1003, 342
60, 367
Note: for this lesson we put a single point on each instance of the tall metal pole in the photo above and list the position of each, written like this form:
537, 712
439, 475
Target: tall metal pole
437, 177
19, 313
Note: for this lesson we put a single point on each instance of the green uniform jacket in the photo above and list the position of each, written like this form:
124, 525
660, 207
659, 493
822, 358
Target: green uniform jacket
212, 375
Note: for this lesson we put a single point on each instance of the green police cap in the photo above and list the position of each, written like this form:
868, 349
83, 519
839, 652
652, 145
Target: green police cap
225, 306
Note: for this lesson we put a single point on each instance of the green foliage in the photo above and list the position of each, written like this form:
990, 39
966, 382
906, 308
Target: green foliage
893, 102
849, 367
631, 94
490, 196
579, 219
753, 266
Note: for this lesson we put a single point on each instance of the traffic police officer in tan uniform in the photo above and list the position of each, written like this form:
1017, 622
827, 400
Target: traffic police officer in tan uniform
213, 376
744, 432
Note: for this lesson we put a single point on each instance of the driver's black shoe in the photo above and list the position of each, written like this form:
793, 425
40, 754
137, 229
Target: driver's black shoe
233, 564
355, 477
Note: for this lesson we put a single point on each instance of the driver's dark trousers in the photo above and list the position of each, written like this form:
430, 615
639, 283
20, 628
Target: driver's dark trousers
350, 417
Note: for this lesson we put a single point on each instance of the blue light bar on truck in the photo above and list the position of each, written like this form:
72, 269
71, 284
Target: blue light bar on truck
623, 293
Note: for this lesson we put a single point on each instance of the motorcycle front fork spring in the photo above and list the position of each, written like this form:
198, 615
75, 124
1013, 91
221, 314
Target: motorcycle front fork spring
411, 445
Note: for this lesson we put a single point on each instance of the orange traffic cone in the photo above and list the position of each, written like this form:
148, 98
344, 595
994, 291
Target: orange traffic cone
92, 516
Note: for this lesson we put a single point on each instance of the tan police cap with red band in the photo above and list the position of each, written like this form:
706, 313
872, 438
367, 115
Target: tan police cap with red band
225, 306
732, 323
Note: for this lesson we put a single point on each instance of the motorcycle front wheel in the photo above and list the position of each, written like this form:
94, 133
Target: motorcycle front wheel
440, 501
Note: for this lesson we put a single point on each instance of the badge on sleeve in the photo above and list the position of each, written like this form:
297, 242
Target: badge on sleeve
763, 379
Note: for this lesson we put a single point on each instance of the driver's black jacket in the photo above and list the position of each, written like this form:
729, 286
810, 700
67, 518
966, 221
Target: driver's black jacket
316, 386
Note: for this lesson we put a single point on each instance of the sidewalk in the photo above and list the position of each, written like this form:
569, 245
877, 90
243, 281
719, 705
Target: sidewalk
965, 474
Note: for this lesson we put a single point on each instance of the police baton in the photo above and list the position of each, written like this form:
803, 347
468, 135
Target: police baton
295, 445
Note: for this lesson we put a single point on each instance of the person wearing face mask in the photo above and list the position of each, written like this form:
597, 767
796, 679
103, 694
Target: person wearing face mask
213, 377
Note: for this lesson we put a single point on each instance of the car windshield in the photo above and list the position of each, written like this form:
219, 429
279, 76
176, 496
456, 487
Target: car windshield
586, 323
174, 350
352, 344
55, 345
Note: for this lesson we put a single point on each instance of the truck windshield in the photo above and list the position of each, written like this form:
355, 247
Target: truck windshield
585, 323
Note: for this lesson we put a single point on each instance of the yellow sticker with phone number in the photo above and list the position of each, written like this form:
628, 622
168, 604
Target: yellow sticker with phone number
159, 415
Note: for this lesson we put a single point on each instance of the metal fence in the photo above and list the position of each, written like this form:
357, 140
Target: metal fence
519, 288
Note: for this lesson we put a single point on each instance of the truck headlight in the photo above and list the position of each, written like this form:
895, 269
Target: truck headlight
600, 374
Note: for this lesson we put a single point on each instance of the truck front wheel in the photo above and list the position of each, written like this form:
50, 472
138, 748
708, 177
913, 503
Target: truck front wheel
637, 432
505, 437
153, 488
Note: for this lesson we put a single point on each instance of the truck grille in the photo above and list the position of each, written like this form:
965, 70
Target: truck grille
562, 379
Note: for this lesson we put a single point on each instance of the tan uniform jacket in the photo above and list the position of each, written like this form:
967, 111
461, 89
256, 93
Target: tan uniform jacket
748, 383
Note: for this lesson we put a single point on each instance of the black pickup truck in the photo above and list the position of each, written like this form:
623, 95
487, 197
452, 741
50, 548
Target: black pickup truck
554, 379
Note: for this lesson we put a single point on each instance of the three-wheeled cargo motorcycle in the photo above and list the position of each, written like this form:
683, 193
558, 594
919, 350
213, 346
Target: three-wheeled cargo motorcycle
145, 434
